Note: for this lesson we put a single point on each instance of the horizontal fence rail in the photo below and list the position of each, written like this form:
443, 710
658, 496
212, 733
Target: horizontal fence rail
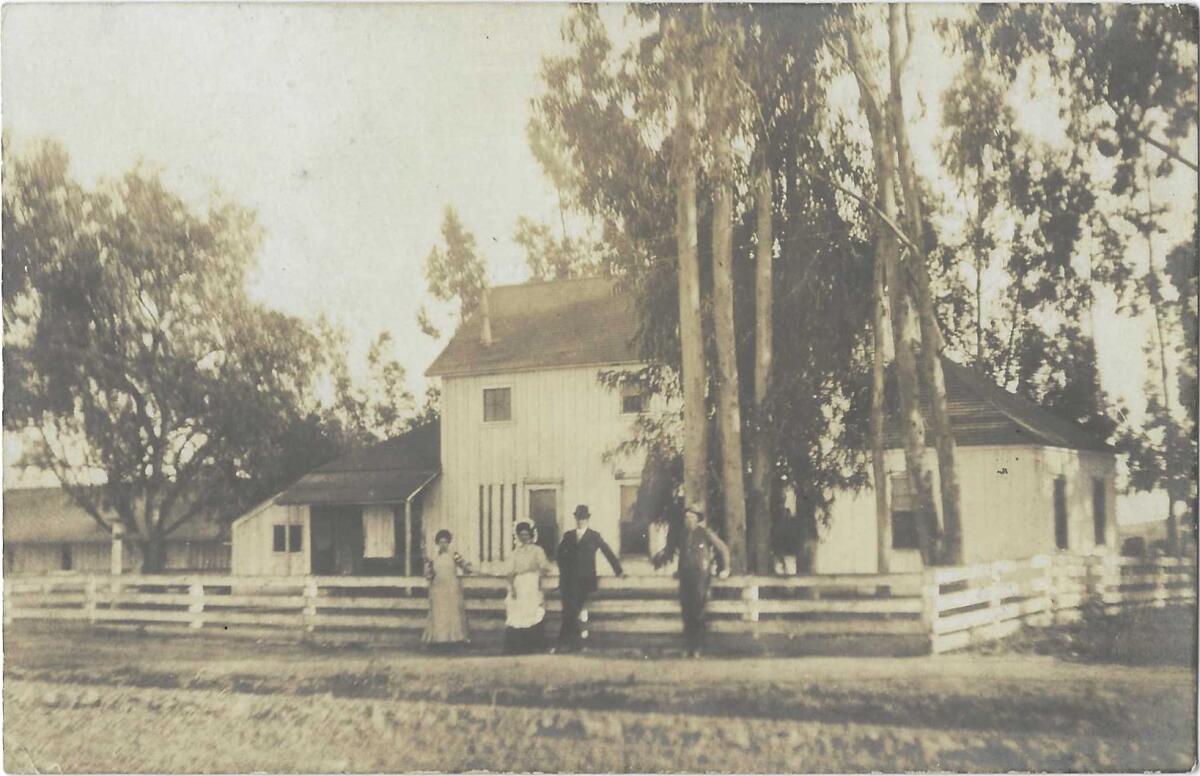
832, 605
949, 608
974, 604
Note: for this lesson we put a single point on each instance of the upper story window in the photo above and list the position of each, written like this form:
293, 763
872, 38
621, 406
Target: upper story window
497, 405
633, 398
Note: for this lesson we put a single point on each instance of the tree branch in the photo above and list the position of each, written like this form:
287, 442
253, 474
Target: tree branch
900, 233
1168, 150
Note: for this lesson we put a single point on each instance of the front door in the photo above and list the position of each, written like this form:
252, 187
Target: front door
635, 539
543, 513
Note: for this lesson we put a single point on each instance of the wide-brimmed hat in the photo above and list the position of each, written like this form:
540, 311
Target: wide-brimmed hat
582, 513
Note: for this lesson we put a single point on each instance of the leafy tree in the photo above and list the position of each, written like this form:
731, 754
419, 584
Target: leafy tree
1126, 77
616, 111
135, 356
455, 270
555, 258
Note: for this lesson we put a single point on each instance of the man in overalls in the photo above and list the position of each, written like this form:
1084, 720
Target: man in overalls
697, 545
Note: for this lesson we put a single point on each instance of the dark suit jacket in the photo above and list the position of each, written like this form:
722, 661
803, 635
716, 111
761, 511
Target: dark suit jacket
577, 560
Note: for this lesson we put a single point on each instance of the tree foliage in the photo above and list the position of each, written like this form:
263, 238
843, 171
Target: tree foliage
155, 388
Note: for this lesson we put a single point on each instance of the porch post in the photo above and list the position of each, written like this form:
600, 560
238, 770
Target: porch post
117, 561
408, 537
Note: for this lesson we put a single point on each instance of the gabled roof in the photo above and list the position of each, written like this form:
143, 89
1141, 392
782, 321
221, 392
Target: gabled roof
48, 515
982, 413
545, 325
385, 473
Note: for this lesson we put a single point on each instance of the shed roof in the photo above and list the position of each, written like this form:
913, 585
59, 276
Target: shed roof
545, 325
48, 515
983, 413
385, 473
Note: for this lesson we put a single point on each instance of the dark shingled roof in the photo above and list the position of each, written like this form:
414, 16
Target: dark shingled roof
48, 515
544, 325
386, 473
982, 413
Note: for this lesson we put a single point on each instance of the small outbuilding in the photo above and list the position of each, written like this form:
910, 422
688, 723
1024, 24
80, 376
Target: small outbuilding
361, 514
1031, 482
45, 531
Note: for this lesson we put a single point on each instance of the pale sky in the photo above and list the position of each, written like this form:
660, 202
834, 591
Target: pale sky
348, 129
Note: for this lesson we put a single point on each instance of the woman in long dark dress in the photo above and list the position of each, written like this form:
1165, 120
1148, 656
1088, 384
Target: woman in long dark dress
524, 606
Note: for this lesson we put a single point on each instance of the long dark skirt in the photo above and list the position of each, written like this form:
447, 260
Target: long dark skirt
524, 641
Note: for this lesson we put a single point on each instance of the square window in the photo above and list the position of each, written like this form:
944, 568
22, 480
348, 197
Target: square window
280, 538
497, 405
295, 538
633, 399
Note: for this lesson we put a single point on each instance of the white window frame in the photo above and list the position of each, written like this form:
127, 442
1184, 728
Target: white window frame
512, 409
621, 399
555, 485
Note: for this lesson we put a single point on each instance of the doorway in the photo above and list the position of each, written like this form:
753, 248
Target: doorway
337, 540
543, 513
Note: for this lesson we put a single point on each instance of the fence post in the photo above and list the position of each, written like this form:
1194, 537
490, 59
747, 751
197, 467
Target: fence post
89, 599
929, 606
310, 606
196, 608
750, 599
1160, 584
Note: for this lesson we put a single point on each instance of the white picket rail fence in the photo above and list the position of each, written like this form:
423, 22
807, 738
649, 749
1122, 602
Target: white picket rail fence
974, 604
951, 608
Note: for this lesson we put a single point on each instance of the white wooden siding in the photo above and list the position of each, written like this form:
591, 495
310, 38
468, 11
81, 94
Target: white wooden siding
253, 541
563, 423
1007, 508
96, 557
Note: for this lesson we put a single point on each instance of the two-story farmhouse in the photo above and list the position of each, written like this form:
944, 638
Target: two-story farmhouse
528, 431
528, 428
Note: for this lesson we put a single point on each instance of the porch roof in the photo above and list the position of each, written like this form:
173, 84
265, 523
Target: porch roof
385, 473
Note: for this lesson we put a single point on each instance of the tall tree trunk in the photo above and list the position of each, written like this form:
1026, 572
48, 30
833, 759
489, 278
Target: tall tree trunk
1156, 306
979, 264
931, 337
691, 339
883, 516
729, 412
763, 356
888, 246
154, 553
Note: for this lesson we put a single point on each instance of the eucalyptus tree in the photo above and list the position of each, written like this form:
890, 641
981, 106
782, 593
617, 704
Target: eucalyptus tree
1126, 78
643, 156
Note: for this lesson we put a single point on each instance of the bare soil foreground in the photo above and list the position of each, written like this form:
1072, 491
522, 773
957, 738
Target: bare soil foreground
122, 702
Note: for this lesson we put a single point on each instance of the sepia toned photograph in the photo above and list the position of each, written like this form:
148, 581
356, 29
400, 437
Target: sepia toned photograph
599, 388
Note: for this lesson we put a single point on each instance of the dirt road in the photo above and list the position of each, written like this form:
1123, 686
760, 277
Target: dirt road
79, 702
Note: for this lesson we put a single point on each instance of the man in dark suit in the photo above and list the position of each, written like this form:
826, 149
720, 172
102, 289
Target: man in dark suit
577, 575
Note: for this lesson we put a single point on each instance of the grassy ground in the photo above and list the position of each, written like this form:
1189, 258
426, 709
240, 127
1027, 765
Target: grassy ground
80, 701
